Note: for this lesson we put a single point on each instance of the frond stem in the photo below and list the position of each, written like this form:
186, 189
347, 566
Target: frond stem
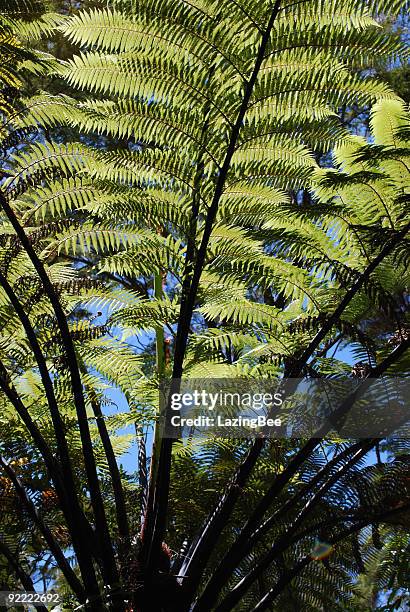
82, 534
120, 508
284, 541
222, 512
298, 460
248, 539
53, 545
109, 564
163, 481
20, 573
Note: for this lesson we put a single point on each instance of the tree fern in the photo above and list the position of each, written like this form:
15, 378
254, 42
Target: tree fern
198, 128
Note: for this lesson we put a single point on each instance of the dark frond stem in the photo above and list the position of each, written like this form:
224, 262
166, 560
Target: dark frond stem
330, 344
284, 541
249, 538
273, 593
142, 469
59, 428
162, 484
302, 455
332, 320
14, 398
220, 516
21, 574
148, 523
109, 565
148, 493
83, 534
120, 508
53, 545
